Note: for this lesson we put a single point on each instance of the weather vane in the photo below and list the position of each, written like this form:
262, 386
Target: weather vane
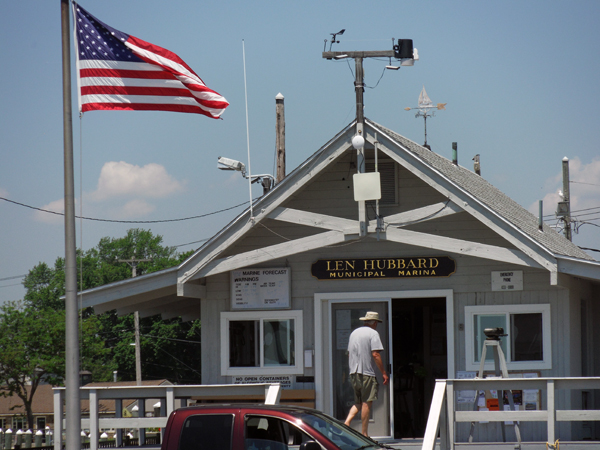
426, 109
333, 41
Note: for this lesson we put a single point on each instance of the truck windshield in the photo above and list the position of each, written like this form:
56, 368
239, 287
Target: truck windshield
344, 437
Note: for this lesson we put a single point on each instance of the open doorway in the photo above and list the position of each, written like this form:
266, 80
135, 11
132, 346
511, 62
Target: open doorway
420, 357
345, 318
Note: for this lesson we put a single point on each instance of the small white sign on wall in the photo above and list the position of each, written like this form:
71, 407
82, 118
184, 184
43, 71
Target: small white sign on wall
510, 280
261, 288
284, 380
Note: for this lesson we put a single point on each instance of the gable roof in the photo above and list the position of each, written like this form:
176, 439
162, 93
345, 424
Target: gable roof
464, 190
42, 404
494, 199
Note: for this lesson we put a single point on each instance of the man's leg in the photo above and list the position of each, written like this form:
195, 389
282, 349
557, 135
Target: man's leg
365, 414
351, 414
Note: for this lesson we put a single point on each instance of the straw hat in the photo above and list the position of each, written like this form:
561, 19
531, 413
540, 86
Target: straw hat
371, 315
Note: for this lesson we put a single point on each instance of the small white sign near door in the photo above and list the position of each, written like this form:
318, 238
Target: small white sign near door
510, 280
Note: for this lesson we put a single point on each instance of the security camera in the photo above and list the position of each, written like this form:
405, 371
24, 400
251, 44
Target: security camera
230, 164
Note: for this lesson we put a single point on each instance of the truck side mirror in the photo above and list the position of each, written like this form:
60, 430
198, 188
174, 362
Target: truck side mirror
310, 445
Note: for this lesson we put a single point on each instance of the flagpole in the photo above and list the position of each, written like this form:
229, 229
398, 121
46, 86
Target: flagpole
247, 134
72, 403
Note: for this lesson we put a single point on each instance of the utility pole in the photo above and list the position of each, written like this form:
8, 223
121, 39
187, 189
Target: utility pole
566, 198
136, 319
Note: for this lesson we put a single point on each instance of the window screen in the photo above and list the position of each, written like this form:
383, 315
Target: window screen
526, 337
243, 343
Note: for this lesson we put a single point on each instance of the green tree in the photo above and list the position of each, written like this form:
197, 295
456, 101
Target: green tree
32, 350
170, 349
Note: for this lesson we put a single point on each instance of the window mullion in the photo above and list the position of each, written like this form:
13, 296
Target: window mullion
261, 344
509, 338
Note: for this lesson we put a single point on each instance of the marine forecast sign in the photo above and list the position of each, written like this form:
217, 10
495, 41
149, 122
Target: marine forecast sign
260, 288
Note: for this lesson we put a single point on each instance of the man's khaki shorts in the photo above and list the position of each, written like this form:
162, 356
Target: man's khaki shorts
365, 388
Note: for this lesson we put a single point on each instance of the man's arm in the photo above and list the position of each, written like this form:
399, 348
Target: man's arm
379, 364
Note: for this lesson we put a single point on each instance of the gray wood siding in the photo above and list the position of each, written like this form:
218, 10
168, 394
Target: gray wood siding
331, 193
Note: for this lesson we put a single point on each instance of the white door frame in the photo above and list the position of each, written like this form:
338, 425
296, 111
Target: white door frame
323, 349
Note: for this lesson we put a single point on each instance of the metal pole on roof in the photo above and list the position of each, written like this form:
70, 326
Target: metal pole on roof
280, 136
72, 403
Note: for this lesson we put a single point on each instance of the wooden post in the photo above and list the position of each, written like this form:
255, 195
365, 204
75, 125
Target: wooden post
280, 137
359, 88
551, 422
59, 396
94, 420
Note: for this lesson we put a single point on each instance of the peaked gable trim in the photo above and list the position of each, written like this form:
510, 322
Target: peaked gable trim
325, 156
464, 199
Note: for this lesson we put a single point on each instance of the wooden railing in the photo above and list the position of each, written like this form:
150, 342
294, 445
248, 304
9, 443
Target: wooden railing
443, 415
167, 395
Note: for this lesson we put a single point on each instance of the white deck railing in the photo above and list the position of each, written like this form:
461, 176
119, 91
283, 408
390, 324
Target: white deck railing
443, 415
166, 393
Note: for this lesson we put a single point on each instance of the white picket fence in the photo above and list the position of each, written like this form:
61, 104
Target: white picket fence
165, 393
443, 415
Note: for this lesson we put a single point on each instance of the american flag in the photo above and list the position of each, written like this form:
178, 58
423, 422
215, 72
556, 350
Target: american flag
117, 71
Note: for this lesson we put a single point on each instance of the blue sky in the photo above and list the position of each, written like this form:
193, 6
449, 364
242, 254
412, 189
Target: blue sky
520, 80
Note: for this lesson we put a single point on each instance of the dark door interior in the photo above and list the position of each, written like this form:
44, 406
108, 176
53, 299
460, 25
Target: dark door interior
420, 357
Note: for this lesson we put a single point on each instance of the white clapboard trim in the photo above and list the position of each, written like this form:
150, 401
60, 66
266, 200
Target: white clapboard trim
273, 252
315, 220
191, 290
423, 214
460, 247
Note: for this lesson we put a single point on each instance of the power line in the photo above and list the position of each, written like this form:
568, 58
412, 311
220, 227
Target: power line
126, 221
9, 285
576, 211
190, 243
581, 182
590, 249
13, 277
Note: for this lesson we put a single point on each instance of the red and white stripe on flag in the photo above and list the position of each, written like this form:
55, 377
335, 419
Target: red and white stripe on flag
120, 72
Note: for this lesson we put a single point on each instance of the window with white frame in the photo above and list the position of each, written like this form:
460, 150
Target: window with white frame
527, 345
261, 343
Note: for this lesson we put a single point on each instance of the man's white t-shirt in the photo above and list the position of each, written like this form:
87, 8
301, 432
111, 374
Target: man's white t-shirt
363, 341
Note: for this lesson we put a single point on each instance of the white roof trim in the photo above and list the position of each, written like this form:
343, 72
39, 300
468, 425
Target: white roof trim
130, 287
579, 268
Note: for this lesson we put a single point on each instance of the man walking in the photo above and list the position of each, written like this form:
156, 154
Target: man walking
364, 348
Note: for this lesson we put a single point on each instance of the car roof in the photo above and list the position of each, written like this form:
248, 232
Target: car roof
248, 406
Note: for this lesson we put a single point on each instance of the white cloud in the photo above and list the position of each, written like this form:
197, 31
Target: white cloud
57, 206
3, 192
134, 209
119, 182
123, 179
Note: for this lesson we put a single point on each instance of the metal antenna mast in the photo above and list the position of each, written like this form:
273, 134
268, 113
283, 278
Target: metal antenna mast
402, 51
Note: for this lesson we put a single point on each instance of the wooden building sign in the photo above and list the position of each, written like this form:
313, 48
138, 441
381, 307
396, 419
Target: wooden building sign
370, 268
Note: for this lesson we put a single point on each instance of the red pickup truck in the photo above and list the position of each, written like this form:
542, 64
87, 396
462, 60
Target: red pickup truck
259, 427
